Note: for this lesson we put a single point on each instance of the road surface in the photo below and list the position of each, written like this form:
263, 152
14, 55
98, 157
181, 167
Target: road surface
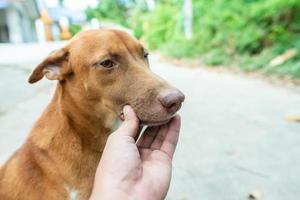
234, 139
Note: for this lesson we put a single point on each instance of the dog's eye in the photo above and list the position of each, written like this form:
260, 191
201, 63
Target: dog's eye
146, 54
107, 63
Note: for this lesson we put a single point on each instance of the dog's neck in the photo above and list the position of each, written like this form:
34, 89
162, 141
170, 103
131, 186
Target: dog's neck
72, 137
72, 124
80, 111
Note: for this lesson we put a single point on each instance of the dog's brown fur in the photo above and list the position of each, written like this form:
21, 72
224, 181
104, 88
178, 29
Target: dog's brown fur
65, 145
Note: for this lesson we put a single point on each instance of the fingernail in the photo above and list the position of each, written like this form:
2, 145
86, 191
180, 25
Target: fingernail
126, 110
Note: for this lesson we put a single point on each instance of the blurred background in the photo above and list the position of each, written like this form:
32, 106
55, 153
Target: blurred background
237, 61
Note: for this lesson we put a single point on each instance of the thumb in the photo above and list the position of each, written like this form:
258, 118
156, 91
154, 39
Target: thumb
130, 124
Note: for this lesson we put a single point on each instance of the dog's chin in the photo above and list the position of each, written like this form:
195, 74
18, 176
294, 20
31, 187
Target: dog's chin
148, 122
154, 123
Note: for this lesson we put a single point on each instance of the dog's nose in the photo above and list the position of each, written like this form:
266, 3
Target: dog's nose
171, 100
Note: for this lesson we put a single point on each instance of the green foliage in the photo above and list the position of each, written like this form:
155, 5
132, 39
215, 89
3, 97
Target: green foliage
160, 26
244, 33
75, 28
108, 10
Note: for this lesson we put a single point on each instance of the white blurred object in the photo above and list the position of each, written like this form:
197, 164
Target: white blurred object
95, 23
188, 19
40, 31
14, 27
63, 22
80, 4
150, 4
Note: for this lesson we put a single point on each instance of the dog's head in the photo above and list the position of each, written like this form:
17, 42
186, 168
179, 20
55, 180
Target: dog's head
110, 67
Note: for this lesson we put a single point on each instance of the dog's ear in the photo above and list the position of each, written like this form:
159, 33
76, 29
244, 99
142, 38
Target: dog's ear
54, 67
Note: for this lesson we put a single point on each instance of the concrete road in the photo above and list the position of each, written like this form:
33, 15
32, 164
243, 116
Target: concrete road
234, 138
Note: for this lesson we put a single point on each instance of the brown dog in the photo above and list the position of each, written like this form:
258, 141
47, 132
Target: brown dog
99, 71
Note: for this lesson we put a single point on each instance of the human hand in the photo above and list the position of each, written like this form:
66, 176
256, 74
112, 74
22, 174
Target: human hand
142, 171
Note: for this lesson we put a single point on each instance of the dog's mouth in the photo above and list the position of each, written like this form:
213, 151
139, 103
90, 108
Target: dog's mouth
149, 123
156, 114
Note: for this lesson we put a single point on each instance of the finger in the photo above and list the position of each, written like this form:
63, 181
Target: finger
130, 125
171, 139
159, 138
148, 136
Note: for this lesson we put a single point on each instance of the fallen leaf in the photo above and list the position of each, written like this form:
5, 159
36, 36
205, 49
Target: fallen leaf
255, 195
293, 118
283, 57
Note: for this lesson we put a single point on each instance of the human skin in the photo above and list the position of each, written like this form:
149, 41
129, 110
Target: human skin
137, 171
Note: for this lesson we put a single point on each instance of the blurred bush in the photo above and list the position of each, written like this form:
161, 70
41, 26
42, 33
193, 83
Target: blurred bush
107, 10
75, 28
244, 33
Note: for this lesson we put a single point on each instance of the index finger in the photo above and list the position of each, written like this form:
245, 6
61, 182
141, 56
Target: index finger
171, 139
130, 125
